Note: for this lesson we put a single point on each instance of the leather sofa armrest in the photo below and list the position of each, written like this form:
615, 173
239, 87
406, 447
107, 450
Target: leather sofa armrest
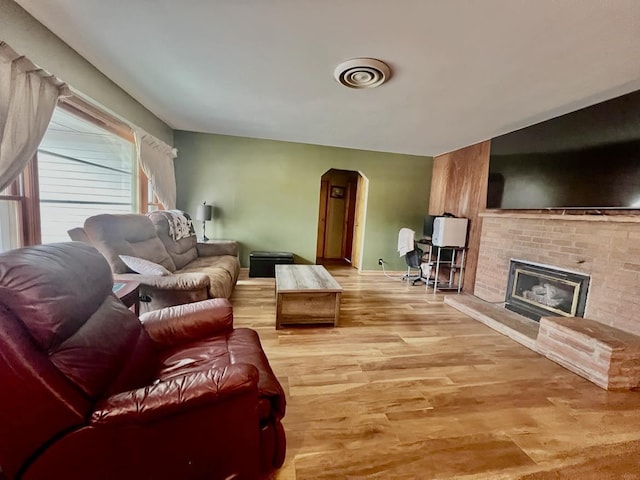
181, 323
164, 399
178, 281
217, 248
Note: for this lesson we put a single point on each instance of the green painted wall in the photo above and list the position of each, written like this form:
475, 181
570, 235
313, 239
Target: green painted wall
29, 37
266, 193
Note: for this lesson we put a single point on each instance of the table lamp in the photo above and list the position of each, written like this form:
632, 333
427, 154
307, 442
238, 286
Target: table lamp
204, 214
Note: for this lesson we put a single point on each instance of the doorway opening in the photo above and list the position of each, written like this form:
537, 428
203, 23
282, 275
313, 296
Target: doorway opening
343, 199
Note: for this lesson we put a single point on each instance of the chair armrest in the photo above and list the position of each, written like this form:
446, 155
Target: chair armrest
174, 325
163, 399
217, 247
178, 281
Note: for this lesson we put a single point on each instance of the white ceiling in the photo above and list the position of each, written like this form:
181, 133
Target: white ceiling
463, 70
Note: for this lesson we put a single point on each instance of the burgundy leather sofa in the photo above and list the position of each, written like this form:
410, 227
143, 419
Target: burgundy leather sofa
89, 391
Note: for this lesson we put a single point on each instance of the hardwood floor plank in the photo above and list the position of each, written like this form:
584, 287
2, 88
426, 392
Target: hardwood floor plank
608, 462
409, 388
439, 458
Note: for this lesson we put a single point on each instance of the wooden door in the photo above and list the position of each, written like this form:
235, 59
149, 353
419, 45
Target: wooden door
322, 221
349, 218
358, 221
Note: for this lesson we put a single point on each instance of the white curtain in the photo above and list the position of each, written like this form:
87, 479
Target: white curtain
156, 160
28, 96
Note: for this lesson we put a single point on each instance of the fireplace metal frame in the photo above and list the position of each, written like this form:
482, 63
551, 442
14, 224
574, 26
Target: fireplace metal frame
579, 282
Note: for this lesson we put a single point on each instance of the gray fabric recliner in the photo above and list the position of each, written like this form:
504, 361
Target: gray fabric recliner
199, 271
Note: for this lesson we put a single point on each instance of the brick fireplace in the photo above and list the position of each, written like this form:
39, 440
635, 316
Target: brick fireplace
606, 248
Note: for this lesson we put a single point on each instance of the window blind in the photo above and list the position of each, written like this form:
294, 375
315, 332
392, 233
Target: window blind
83, 170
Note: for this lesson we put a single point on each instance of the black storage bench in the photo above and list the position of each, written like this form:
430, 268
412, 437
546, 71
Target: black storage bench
263, 264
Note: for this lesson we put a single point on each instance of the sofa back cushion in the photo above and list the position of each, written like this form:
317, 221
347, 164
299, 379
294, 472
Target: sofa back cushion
62, 296
132, 235
182, 251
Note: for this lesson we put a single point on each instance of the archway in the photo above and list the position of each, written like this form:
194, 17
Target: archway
343, 198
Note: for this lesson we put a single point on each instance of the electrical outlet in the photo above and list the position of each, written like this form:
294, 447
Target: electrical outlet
380, 261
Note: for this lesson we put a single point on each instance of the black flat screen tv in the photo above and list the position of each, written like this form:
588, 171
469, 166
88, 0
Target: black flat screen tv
587, 159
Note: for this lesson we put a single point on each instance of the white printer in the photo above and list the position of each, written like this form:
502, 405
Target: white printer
449, 232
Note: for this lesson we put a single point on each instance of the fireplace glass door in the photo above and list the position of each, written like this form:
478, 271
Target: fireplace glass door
536, 290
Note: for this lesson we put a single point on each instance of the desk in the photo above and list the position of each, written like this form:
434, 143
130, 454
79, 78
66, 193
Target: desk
129, 293
454, 263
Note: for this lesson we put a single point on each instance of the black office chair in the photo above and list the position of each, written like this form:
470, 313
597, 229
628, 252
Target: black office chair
414, 260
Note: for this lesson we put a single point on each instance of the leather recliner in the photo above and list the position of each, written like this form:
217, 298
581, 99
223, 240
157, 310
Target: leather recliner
91, 391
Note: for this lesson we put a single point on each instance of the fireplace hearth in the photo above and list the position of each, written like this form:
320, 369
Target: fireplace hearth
536, 290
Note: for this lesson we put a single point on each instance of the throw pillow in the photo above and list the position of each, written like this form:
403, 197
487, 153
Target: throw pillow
144, 267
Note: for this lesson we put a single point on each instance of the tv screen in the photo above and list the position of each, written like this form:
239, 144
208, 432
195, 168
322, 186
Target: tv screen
587, 159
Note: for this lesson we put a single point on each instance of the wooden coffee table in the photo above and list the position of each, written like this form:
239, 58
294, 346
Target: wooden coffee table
306, 294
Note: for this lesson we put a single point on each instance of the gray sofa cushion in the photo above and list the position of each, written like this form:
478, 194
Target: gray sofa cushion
133, 235
182, 251
222, 271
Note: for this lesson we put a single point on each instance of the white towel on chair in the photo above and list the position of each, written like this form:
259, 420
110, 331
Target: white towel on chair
406, 238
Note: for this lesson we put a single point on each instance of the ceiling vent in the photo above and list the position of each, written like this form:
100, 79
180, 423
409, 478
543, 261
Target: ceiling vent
362, 73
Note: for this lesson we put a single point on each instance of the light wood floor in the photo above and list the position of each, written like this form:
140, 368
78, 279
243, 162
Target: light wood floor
409, 388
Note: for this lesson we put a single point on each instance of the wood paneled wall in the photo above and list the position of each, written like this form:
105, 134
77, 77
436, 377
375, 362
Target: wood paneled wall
459, 186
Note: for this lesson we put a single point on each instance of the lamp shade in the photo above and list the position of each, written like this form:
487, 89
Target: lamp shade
204, 212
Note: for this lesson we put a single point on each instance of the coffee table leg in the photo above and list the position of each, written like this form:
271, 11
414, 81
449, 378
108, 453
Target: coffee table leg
278, 310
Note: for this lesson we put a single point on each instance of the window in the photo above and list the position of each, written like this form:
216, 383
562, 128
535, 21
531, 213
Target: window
14, 216
83, 170
146, 194
86, 165
10, 222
